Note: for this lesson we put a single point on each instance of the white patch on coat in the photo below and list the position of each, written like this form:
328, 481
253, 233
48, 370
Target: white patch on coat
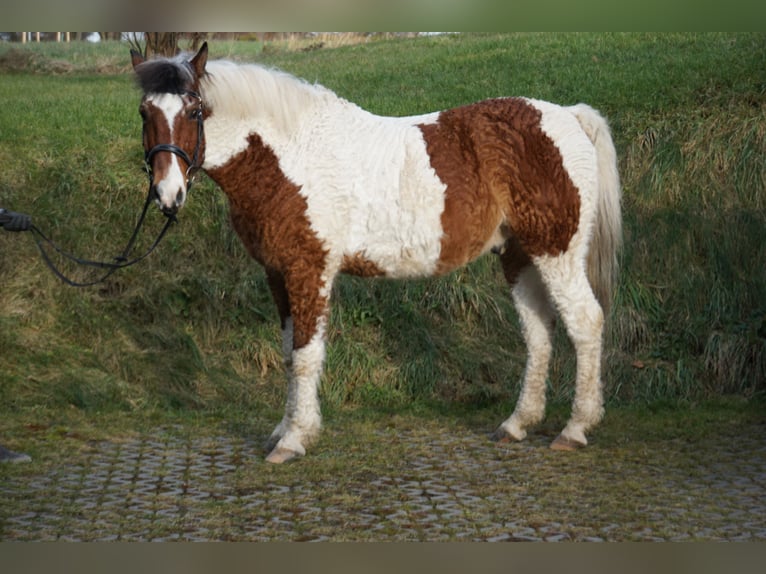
370, 190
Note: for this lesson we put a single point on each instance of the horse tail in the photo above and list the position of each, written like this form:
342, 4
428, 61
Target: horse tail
602, 263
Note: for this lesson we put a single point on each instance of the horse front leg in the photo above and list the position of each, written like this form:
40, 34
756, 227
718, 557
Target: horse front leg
304, 322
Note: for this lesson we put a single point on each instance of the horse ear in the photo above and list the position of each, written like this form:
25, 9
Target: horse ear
136, 58
199, 61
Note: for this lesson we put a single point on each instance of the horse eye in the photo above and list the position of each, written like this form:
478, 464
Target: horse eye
195, 114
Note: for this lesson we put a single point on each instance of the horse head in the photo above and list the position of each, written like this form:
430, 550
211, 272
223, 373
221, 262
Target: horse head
173, 115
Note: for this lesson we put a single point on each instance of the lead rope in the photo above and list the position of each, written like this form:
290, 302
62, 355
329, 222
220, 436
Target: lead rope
13, 221
21, 222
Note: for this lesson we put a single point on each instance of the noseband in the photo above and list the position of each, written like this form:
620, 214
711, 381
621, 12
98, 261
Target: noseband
192, 163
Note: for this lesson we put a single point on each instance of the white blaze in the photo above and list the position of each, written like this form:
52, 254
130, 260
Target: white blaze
175, 179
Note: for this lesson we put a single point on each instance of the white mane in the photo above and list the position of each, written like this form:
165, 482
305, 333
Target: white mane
252, 91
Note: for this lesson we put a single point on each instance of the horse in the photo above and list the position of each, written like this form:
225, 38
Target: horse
318, 186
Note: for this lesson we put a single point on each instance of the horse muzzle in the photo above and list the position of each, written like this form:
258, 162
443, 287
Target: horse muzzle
169, 202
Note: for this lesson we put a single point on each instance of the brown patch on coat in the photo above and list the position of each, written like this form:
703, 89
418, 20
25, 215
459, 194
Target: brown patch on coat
269, 215
155, 131
358, 264
500, 167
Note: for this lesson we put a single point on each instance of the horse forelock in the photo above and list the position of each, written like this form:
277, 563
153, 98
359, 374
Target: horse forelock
165, 76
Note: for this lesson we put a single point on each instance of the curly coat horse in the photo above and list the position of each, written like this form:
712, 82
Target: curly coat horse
318, 186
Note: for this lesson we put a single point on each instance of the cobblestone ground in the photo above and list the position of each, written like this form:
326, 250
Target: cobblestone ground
455, 486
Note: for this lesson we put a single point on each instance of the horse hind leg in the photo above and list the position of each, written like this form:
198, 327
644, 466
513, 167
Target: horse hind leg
279, 293
537, 319
287, 354
571, 293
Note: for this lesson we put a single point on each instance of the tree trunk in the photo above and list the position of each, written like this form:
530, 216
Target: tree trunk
161, 44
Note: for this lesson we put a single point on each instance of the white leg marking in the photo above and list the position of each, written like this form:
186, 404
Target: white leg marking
302, 420
536, 314
571, 293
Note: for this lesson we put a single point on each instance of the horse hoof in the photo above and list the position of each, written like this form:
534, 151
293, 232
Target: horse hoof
280, 455
567, 444
271, 444
502, 436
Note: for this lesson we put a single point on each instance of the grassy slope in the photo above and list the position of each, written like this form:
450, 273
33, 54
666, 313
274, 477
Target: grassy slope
193, 326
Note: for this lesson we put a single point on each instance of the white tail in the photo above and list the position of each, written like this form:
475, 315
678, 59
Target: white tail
607, 233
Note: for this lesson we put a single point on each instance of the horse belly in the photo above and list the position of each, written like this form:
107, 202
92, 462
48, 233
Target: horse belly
401, 237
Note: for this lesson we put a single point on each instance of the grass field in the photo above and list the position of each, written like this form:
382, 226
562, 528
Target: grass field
193, 328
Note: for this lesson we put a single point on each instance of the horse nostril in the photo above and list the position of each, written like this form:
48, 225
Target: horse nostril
169, 210
179, 197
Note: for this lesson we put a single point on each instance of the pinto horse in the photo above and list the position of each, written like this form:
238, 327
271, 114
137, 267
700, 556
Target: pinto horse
318, 186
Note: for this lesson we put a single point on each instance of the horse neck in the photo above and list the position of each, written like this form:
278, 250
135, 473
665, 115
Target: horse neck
268, 102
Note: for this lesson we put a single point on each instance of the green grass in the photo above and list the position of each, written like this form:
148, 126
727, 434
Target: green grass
193, 328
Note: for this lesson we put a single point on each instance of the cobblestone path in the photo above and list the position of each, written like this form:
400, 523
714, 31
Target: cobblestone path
165, 486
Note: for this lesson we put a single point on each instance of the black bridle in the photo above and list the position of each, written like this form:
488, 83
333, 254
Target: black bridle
12, 221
